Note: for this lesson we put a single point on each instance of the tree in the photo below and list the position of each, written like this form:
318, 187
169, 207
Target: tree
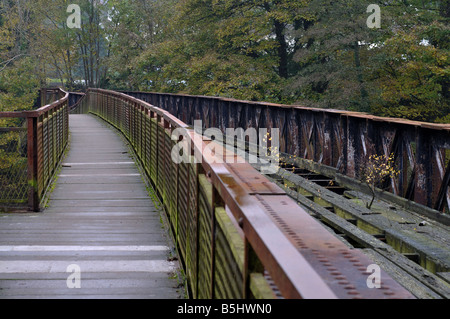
312, 52
52, 42
333, 56
91, 41
133, 31
412, 67
398, 70
230, 48
18, 90
377, 170
18, 77
18, 86
414, 78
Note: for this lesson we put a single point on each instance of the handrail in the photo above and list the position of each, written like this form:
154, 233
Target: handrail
46, 140
272, 234
75, 99
253, 220
300, 107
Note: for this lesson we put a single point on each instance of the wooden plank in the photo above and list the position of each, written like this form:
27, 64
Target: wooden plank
434, 286
408, 281
107, 238
379, 222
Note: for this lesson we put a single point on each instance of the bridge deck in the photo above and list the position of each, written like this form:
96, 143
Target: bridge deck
100, 218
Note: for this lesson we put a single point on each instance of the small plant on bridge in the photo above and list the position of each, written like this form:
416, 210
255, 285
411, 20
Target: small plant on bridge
377, 170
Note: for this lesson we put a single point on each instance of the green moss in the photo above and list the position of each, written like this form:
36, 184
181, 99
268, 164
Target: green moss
260, 288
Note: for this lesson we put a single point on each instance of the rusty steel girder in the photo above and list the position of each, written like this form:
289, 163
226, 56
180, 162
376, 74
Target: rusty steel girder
339, 139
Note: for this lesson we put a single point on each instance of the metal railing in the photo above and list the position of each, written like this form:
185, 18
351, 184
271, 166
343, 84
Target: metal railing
238, 234
339, 139
31, 146
75, 100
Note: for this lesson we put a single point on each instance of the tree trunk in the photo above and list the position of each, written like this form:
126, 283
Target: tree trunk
364, 105
372, 190
282, 50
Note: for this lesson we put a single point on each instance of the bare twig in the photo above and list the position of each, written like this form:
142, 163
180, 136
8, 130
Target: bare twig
7, 62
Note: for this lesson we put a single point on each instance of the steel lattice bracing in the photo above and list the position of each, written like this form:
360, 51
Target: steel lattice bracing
339, 139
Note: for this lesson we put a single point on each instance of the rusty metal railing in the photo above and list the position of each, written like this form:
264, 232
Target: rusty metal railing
31, 146
238, 234
75, 99
339, 139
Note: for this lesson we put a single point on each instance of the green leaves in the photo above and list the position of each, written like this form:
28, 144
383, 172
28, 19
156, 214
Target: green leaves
18, 86
414, 76
311, 52
399, 70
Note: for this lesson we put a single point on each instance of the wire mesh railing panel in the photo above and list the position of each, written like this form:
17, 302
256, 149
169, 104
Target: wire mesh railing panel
31, 145
13, 165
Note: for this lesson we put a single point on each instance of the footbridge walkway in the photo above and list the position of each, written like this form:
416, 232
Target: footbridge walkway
124, 199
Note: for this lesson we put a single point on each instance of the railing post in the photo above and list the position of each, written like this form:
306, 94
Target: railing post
422, 190
194, 192
216, 202
158, 147
43, 97
33, 193
251, 265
